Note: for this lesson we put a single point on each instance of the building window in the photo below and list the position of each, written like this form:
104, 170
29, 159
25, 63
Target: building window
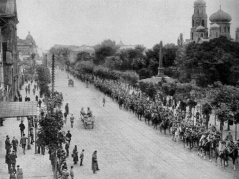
216, 34
228, 29
203, 23
193, 23
225, 29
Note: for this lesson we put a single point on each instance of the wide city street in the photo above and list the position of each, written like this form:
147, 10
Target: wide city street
127, 148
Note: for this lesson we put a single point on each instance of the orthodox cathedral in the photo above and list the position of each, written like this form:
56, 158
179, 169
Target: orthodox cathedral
219, 24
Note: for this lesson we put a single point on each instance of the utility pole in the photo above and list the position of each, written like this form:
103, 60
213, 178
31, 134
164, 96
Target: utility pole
53, 73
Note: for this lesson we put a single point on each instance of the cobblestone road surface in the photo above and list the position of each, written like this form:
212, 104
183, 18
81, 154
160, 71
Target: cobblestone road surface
127, 148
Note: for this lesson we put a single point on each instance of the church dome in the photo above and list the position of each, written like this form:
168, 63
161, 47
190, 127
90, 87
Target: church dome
215, 26
29, 37
200, 28
220, 16
199, 3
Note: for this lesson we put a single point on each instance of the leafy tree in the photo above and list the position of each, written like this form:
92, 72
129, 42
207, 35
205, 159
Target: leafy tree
105, 49
44, 79
211, 61
61, 54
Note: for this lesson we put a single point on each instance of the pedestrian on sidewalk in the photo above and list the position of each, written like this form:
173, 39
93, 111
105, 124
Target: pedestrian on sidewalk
33, 90
12, 173
67, 146
32, 135
72, 120
94, 165
103, 101
65, 174
8, 161
36, 98
22, 128
72, 173
19, 172
75, 155
26, 98
14, 144
13, 157
67, 108
65, 116
7, 145
39, 103
68, 136
23, 142
81, 157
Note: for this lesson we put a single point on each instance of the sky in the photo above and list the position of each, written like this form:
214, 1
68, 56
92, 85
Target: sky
89, 22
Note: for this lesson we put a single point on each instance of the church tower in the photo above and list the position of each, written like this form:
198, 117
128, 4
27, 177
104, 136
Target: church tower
237, 35
199, 21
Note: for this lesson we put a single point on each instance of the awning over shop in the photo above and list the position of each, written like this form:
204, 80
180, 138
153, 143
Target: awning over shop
18, 109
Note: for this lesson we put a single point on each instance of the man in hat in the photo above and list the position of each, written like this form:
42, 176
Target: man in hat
67, 145
7, 145
81, 157
22, 128
72, 120
13, 157
68, 135
14, 144
8, 162
23, 142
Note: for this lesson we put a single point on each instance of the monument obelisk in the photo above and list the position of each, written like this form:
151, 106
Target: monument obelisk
161, 68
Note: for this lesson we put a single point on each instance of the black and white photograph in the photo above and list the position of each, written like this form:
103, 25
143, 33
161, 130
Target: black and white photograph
119, 89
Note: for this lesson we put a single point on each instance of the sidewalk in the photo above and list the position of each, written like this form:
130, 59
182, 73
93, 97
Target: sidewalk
33, 165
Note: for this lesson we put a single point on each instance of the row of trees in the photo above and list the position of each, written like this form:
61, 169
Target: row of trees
221, 99
50, 134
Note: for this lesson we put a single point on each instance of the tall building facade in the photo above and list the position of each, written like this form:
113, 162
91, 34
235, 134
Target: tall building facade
9, 68
199, 21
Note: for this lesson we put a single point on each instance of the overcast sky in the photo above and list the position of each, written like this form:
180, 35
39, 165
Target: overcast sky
146, 22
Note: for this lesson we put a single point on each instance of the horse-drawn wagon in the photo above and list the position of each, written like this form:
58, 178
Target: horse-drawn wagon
88, 120
71, 83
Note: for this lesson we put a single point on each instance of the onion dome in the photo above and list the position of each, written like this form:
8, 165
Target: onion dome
200, 3
220, 16
29, 37
215, 26
200, 28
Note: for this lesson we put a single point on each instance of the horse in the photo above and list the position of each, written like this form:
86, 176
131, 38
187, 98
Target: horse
156, 119
207, 149
164, 125
147, 116
223, 153
188, 138
121, 101
233, 154
140, 111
